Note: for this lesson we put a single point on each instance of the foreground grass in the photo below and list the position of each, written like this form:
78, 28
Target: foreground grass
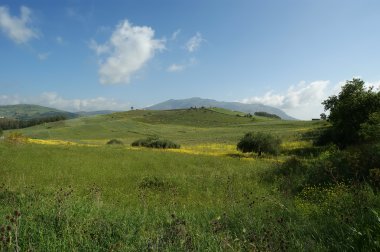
80, 198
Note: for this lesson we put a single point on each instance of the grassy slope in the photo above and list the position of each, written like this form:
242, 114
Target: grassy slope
109, 201
104, 198
187, 127
27, 111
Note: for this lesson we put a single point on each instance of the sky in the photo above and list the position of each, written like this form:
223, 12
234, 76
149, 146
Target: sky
95, 55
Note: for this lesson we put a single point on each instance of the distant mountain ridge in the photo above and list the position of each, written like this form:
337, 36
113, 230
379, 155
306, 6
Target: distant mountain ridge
29, 111
236, 106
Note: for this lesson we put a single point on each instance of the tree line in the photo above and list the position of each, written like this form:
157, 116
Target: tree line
11, 123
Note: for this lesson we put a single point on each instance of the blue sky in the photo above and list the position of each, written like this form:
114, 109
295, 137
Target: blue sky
93, 55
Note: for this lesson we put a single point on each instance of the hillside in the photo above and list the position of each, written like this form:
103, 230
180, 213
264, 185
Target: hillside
235, 106
28, 111
185, 126
98, 112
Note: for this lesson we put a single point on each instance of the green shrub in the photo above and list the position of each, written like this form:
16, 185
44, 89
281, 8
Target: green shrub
155, 142
290, 175
350, 165
265, 114
259, 142
370, 130
342, 217
16, 138
115, 141
152, 183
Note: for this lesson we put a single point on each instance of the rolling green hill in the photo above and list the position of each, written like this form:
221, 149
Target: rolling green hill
28, 111
91, 196
234, 106
184, 126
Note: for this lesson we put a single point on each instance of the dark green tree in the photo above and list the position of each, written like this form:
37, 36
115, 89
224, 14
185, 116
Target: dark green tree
349, 110
370, 130
323, 116
259, 142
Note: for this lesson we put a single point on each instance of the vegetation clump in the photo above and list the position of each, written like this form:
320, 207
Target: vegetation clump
354, 114
155, 142
152, 183
15, 138
259, 142
12, 123
265, 114
115, 142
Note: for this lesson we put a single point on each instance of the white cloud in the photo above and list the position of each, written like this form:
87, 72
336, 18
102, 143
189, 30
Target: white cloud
175, 68
127, 51
52, 99
302, 101
194, 42
16, 28
43, 56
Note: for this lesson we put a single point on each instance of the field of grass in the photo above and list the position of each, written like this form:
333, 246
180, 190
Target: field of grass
186, 127
75, 193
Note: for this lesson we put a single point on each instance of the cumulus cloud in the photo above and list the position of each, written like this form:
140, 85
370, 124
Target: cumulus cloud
52, 99
16, 28
194, 42
296, 96
127, 51
302, 101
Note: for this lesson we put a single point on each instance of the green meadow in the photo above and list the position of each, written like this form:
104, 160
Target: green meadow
83, 195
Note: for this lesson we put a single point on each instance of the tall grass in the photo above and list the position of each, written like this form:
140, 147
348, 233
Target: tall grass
78, 198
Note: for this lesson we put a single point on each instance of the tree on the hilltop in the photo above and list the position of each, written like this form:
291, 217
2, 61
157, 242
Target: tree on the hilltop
351, 109
259, 142
323, 116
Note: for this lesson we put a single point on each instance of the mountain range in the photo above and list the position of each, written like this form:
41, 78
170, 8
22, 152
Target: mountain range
29, 111
235, 106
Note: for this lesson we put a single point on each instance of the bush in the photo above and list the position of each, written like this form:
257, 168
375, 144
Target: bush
259, 142
155, 142
115, 141
269, 115
290, 175
16, 138
351, 165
